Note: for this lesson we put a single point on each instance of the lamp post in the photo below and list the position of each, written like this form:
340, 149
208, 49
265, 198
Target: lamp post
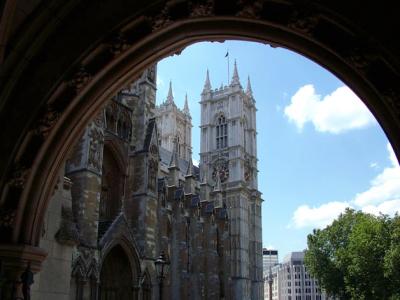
162, 267
270, 281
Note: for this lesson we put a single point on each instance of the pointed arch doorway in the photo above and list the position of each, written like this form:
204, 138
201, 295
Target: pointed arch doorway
116, 278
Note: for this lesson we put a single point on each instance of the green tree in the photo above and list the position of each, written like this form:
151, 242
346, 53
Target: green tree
392, 257
357, 256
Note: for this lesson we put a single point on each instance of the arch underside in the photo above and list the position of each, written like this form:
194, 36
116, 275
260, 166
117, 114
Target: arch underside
61, 68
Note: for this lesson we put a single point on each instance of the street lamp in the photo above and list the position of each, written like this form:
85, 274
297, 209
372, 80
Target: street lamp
162, 267
270, 281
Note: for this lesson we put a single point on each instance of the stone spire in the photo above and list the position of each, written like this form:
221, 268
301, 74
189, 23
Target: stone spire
207, 84
170, 97
189, 171
235, 77
186, 106
189, 178
174, 163
249, 91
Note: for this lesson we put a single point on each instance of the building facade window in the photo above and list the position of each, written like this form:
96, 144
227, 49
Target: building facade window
221, 132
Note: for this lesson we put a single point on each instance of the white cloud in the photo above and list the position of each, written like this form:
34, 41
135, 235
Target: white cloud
196, 162
383, 196
337, 112
373, 165
385, 187
392, 156
388, 207
318, 217
160, 81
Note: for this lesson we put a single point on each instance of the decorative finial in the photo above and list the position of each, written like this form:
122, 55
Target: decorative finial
186, 106
249, 91
174, 163
235, 76
170, 97
189, 171
207, 84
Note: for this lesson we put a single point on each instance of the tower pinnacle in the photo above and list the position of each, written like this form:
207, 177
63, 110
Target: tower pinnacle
189, 171
207, 84
170, 97
235, 77
186, 106
249, 91
174, 163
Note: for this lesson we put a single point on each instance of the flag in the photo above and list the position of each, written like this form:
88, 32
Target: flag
227, 53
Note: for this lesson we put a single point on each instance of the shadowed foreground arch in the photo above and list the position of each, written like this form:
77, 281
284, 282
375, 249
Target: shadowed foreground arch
62, 61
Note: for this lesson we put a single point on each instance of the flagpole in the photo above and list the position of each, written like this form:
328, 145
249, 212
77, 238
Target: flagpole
228, 64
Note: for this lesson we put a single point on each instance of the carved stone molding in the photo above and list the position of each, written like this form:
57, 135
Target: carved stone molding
17, 257
7, 217
119, 44
80, 79
393, 99
47, 121
250, 9
205, 9
304, 21
85, 264
19, 176
18, 264
162, 20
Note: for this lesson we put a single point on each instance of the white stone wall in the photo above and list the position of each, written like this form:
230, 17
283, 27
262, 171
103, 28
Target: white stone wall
172, 122
53, 282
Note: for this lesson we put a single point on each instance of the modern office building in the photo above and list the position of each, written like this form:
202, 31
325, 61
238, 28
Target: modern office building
270, 259
291, 281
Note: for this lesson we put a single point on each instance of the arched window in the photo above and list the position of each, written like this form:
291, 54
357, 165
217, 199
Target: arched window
110, 119
112, 190
221, 132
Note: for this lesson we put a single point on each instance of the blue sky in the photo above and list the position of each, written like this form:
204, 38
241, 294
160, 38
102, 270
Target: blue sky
319, 148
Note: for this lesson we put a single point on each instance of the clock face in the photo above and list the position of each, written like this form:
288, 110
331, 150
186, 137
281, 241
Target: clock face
221, 170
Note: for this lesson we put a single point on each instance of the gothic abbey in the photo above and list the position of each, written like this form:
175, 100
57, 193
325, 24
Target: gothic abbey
129, 190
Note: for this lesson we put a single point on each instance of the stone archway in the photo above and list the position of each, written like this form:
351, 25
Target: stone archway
116, 277
61, 63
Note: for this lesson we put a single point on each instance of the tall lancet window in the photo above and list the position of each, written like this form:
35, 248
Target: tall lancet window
221, 132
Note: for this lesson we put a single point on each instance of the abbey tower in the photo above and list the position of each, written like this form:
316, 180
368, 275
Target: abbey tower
228, 169
172, 123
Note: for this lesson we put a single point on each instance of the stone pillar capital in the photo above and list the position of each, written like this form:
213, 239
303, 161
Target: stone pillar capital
18, 263
16, 257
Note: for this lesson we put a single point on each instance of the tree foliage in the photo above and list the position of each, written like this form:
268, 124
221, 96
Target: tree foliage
357, 256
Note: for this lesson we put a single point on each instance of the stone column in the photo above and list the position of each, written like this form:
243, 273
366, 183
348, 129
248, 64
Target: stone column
18, 264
